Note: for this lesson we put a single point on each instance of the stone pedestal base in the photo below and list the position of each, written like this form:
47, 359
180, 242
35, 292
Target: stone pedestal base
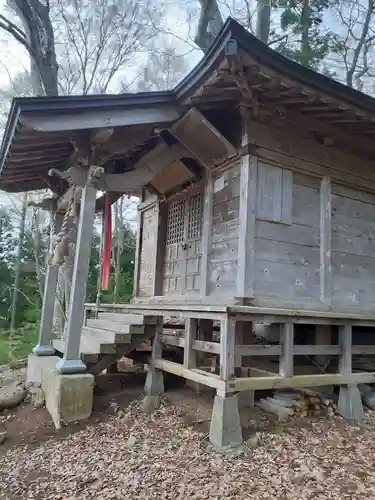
350, 404
225, 429
69, 398
35, 366
154, 385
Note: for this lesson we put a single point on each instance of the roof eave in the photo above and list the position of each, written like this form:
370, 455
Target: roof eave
210, 61
297, 72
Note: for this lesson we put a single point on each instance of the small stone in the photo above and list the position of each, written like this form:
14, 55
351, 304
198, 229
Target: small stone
150, 404
253, 441
131, 441
38, 398
11, 395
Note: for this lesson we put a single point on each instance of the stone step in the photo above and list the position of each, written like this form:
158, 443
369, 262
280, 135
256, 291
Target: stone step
114, 327
126, 319
106, 335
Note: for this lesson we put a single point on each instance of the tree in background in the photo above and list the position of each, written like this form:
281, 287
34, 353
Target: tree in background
306, 40
355, 56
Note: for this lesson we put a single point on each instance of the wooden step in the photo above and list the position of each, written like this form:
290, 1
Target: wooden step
126, 319
114, 327
106, 335
88, 346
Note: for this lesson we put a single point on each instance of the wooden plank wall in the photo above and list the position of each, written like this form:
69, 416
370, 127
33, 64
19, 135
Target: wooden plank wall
353, 249
222, 265
148, 249
287, 256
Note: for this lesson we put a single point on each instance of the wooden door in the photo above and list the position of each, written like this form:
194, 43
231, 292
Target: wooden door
183, 245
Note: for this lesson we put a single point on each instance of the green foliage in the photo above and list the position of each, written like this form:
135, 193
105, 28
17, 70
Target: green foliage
20, 345
126, 269
29, 298
301, 21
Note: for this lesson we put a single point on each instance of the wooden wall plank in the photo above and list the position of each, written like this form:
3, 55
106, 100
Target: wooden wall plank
247, 223
206, 233
222, 266
325, 241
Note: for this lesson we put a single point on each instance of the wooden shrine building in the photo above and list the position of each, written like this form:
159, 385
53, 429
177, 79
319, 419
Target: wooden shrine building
257, 186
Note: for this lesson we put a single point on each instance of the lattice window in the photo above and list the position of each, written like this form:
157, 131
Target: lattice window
175, 222
195, 216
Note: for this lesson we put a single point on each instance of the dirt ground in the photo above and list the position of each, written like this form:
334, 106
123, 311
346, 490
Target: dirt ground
124, 453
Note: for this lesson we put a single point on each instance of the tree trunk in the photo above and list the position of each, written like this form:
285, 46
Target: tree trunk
305, 38
36, 236
17, 274
263, 20
35, 17
210, 23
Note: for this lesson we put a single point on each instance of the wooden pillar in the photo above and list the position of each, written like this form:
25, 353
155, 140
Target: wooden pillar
287, 343
137, 253
154, 384
227, 347
345, 339
246, 230
71, 362
225, 428
244, 336
325, 241
350, 402
44, 347
162, 209
190, 356
206, 234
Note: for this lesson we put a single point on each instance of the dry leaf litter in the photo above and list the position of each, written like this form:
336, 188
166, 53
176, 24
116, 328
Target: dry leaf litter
132, 455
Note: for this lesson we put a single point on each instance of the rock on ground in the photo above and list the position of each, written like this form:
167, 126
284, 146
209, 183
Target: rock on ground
12, 395
132, 455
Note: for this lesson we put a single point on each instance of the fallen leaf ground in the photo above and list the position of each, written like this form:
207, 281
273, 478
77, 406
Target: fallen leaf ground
123, 453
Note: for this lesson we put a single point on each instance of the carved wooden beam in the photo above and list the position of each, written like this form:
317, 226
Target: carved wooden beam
144, 171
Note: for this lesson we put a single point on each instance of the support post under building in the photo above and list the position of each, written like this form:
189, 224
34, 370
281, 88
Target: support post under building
44, 346
71, 362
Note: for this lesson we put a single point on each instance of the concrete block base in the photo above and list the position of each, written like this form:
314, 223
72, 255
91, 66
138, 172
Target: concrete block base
154, 384
69, 398
246, 399
36, 365
225, 429
350, 404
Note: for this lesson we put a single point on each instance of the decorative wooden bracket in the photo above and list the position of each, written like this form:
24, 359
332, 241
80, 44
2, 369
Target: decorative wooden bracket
238, 72
78, 176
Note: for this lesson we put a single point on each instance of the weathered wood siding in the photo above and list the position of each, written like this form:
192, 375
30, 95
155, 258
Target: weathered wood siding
148, 249
223, 252
287, 255
353, 249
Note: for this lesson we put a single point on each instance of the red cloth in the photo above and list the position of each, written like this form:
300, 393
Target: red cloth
107, 219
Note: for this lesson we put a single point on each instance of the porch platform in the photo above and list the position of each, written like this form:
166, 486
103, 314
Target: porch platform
241, 313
